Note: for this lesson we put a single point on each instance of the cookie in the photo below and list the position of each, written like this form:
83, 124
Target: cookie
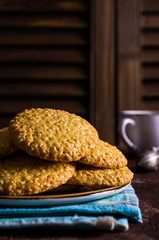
91, 176
22, 174
53, 134
7, 146
106, 156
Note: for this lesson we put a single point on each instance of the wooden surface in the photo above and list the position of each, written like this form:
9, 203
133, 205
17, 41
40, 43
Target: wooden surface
146, 185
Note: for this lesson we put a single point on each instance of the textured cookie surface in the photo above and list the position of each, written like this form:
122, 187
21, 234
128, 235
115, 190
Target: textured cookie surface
105, 155
53, 134
22, 174
92, 176
7, 146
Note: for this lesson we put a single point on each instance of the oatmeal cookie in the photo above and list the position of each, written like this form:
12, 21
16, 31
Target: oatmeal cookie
22, 174
7, 146
91, 176
106, 156
53, 134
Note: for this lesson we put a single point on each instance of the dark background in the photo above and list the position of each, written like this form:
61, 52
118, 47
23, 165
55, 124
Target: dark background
93, 58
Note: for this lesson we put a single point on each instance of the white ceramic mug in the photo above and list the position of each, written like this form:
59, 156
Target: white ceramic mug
140, 129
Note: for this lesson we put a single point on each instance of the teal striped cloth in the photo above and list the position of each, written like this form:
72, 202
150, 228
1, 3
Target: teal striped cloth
111, 213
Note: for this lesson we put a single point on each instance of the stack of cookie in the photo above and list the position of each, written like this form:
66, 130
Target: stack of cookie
43, 149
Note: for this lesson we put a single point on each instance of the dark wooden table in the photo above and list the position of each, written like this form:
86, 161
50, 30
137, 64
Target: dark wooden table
146, 185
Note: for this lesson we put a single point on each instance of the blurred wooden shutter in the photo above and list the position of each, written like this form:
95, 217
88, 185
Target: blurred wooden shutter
59, 54
138, 54
150, 54
128, 54
102, 69
44, 56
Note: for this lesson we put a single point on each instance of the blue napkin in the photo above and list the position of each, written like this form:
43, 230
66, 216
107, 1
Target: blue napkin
111, 213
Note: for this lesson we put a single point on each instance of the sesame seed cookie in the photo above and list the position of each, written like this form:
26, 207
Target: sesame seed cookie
53, 134
106, 156
22, 174
7, 146
91, 176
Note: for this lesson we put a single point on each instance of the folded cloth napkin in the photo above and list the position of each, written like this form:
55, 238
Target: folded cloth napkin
111, 213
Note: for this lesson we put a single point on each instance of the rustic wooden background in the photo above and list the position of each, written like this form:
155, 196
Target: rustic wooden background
91, 57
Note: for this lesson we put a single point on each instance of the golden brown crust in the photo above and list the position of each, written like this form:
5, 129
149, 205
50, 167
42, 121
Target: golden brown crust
94, 177
53, 134
105, 155
22, 174
7, 146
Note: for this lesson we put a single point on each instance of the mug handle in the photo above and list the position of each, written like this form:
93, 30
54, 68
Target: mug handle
124, 124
